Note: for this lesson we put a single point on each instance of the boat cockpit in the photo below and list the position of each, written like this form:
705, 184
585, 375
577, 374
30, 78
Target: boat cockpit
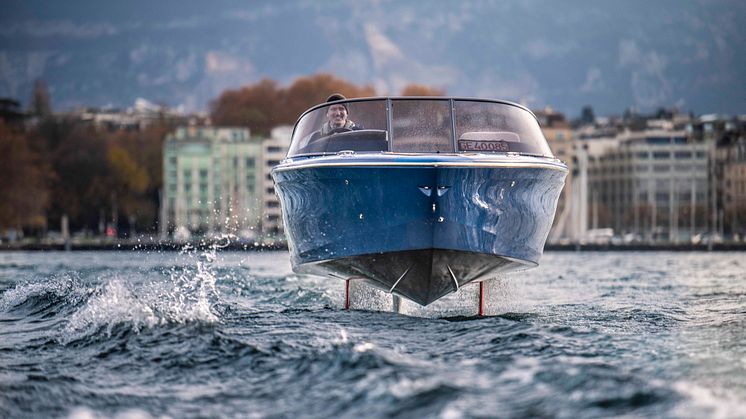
417, 125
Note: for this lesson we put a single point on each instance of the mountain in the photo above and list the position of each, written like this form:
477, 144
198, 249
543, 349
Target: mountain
612, 55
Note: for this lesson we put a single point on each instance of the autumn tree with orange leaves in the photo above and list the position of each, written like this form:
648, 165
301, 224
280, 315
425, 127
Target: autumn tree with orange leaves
23, 189
422, 90
265, 105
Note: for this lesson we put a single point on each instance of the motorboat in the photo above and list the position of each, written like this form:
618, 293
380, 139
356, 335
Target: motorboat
417, 196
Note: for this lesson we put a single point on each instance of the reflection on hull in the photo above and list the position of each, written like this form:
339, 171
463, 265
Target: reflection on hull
418, 226
422, 276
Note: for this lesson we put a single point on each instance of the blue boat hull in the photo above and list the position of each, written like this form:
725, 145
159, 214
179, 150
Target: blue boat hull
420, 230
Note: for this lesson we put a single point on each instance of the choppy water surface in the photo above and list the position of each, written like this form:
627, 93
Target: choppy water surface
195, 334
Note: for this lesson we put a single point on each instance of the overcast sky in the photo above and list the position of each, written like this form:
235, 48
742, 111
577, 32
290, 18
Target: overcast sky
609, 54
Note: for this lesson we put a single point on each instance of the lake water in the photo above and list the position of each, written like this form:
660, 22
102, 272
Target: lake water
227, 334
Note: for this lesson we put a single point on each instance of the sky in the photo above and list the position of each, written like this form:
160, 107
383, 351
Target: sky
611, 55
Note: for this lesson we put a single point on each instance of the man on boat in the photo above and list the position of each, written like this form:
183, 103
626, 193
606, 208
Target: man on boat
337, 119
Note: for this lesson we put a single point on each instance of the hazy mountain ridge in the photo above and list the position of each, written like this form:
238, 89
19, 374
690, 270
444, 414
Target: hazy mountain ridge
540, 53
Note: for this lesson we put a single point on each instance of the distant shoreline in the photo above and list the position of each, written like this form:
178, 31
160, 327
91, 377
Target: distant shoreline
128, 246
642, 247
168, 246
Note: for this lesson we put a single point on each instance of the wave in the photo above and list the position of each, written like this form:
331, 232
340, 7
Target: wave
41, 297
186, 295
89, 302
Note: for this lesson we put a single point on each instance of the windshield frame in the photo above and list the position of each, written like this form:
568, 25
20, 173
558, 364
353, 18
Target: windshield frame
389, 123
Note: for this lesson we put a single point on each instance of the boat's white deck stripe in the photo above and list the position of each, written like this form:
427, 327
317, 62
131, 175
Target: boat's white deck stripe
501, 164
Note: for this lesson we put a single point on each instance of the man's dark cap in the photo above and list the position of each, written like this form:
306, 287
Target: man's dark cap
335, 97
338, 96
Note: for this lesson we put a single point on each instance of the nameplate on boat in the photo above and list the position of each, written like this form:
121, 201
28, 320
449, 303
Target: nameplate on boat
487, 141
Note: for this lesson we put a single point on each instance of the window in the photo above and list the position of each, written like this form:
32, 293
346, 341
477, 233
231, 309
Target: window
658, 155
312, 134
496, 127
422, 126
658, 140
250, 163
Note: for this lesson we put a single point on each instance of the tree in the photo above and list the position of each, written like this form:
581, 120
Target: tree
23, 189
254, 106
265, 105
421, 90
135, 163
80, 189
309, 91
127, 183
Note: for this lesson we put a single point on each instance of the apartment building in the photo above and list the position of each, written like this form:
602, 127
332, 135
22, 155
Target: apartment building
274, 149
652, 184
212, 177
559, 135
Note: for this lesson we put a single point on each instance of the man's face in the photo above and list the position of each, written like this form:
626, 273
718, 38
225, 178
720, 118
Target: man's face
337, 115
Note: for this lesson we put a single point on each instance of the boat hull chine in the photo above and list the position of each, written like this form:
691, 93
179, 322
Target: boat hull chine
422, 276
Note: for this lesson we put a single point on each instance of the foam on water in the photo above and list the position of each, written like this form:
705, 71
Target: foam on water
184, 295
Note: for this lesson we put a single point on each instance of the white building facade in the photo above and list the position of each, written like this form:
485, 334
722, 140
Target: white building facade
274, 150
211, 183
652, 185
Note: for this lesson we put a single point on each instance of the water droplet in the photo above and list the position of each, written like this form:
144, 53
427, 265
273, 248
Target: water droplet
441, 219
361, 215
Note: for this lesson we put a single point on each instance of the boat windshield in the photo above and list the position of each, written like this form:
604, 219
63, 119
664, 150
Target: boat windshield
418, 125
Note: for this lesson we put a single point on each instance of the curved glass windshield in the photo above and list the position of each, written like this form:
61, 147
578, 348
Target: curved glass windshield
487, 127
418, 125
353, 126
